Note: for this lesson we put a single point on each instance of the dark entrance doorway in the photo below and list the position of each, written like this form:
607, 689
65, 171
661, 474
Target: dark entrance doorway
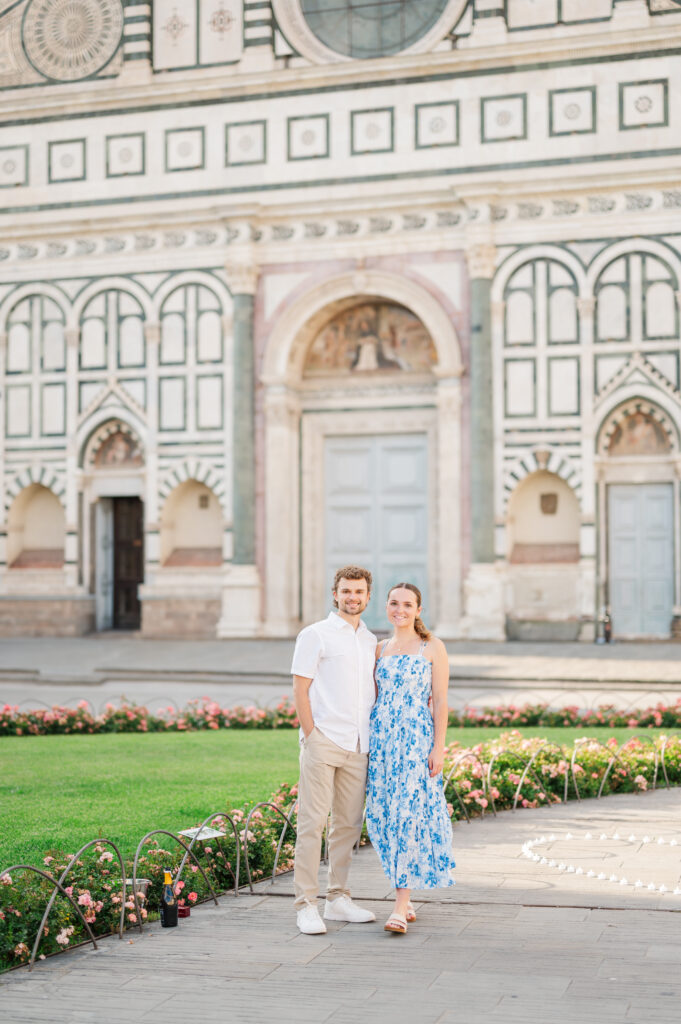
128, 561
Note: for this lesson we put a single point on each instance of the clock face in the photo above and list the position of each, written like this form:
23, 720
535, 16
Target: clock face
370, 28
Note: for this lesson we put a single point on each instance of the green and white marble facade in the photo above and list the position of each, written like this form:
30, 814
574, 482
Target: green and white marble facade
189, 191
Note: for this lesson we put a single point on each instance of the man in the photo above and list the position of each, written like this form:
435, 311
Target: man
333, 690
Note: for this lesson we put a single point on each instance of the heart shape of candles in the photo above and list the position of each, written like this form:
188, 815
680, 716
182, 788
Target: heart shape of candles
531, 847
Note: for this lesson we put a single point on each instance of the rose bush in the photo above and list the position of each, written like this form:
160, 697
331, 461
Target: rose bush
207, 714
633, 769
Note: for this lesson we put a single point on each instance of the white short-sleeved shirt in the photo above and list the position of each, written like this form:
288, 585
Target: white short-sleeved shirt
340, 662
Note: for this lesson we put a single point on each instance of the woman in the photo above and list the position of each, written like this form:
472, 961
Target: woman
407, 815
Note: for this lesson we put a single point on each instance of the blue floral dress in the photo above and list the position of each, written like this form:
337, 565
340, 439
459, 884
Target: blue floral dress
407, 817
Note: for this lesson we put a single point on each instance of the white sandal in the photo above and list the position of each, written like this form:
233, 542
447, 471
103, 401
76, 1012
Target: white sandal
411, 913
396, 923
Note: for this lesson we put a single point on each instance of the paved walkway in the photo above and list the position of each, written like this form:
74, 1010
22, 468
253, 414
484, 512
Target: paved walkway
103, 667
513, 941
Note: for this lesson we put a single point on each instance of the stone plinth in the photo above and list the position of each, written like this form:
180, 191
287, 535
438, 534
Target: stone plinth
46, 615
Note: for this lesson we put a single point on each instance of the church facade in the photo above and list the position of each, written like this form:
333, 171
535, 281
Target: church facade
288, 284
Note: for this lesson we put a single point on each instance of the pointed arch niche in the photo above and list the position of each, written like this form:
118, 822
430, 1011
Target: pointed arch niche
365, 355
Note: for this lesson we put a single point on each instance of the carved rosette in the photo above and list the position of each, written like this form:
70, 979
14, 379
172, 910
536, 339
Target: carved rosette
68, 40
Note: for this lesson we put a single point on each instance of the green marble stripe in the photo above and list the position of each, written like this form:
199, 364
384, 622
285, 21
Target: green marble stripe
482, 423
474, 169
243, 443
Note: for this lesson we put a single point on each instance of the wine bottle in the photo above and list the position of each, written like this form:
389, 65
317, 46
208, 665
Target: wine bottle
168, 902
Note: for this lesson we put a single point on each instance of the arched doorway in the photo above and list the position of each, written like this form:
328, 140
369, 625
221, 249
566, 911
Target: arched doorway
639, 515
113, 485
362, 449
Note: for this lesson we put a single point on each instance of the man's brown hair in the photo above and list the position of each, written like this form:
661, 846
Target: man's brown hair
351, 572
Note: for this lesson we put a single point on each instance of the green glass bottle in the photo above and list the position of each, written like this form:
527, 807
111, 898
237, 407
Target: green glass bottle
168, 902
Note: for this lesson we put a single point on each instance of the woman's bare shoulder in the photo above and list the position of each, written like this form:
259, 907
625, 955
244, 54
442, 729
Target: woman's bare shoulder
436, 647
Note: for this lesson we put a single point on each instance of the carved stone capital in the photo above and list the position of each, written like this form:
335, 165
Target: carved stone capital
152, 333
481, 258
3, 342
586, 307
242, 278
72, 336
498, 309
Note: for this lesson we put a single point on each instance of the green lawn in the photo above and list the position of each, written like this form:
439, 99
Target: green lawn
61, 791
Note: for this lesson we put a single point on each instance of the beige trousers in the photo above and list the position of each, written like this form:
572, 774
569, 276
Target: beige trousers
331, 779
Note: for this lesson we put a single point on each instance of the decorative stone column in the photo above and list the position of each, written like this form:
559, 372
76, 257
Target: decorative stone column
152, 336
71, 568
588, 575
241, 594
448, 470
3, 521
282, 512
483, 588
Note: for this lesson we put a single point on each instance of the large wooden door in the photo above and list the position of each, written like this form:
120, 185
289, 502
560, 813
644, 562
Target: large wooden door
128, 561
641, 559
377, 512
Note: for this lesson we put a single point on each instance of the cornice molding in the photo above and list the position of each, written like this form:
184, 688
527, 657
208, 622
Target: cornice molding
411, 223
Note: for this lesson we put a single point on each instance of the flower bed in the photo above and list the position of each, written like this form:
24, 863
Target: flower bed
96, 886
207, 714
95, 881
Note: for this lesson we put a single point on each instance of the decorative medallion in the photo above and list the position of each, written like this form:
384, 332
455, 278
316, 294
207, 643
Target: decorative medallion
221, 21
68, 40
175, 26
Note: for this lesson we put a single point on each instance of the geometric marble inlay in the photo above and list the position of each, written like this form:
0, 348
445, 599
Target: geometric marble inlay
245, 143
371, 131
184, 149
66, 160
308, 137
13, 166
504, 118
437, 124
572, 110
124, 155
643, 104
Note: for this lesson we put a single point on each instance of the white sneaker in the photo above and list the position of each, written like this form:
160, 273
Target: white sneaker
309, 921
343, 909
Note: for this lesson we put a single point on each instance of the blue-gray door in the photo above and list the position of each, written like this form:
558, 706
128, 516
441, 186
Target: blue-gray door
377, 513
641, 558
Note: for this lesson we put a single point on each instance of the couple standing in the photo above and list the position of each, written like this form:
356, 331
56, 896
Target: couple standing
367, 730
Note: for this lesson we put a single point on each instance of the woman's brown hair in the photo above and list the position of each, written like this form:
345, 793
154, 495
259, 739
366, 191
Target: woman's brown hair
419, 625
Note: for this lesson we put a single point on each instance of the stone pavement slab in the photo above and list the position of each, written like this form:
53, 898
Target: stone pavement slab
494, 948
103, 667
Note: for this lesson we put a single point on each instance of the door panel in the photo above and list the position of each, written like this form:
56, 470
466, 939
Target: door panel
377, 512
128, 562
641, 558
104, 564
